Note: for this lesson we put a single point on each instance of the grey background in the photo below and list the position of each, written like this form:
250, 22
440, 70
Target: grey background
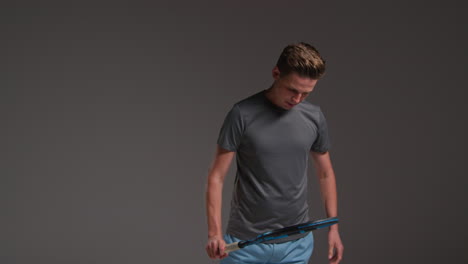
110, 114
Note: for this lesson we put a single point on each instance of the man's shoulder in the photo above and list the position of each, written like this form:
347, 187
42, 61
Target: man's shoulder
251, 102
251, 99
311, 112
310, 107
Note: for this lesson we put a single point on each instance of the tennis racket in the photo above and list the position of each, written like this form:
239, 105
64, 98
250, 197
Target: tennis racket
281, 233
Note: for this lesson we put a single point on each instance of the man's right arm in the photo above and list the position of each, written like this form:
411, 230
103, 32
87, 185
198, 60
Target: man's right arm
214, 189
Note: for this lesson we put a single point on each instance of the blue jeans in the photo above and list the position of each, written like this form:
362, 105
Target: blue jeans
292, 252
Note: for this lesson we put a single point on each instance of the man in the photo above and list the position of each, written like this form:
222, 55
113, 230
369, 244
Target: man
273, 133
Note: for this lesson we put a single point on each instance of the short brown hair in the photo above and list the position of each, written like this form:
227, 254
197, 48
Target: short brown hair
303, 59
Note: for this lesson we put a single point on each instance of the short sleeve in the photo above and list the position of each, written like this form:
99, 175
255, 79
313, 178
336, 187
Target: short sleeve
322, 142
231, 131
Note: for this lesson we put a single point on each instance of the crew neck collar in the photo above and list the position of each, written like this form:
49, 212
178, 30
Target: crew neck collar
270, 103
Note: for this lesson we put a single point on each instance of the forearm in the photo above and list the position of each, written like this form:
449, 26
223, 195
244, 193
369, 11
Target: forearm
213, 206
329, 193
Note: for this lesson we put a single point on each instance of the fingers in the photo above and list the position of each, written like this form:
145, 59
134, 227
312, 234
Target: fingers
335, 253
215, 248
221, 248
331, 252
212, 248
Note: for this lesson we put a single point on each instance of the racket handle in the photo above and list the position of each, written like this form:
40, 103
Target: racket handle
231, 247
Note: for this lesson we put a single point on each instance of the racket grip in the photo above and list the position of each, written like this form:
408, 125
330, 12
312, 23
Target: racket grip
231, 247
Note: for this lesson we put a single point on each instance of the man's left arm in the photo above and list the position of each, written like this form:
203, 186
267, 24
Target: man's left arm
327, 180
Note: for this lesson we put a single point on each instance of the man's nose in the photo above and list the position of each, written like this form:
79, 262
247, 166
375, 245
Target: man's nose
297, 98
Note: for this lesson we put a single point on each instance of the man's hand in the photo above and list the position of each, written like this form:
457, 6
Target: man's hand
335, 247
215, 248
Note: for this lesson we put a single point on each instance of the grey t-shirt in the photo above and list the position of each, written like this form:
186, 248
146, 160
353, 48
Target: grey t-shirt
272, 148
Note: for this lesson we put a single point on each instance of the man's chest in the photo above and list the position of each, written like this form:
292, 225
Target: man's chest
279, 135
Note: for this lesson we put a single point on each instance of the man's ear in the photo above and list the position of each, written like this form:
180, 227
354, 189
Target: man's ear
276, 73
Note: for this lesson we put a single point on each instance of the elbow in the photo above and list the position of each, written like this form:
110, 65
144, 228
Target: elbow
214, 180
325, 174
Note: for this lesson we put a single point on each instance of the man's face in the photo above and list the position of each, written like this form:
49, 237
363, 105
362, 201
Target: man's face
288, 91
